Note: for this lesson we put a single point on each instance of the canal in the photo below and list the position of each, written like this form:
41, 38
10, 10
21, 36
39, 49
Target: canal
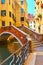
7, 48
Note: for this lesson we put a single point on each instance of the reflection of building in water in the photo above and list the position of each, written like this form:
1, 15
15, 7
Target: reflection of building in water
0, 59
13, 12
12, 47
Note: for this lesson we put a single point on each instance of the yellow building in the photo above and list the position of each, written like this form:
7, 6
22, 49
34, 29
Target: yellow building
6, 13
21, 12
39, 15
13, 12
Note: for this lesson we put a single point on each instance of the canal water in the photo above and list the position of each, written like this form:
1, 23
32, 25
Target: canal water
6, 49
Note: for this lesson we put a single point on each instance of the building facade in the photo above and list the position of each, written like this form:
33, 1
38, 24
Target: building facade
6, 13
39, 15
13, 12
21, 12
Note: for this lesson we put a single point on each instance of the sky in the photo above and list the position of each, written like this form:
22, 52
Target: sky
31, 6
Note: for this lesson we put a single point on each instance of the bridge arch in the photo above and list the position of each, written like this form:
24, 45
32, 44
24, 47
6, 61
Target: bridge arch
16, 32
13, 36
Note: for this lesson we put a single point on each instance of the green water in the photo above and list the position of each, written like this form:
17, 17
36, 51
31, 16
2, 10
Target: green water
4, 51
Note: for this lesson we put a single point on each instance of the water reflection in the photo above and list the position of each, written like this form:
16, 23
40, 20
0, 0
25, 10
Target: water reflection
6, 48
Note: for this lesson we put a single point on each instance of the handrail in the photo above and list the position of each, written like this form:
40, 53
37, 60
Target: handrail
17, 33
19, 30
33, 31
15, 28
37, 36
37, 44
9, 57
13, 54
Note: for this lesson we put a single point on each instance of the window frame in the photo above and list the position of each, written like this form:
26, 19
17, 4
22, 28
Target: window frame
10, 23
10, 14
3, 12
9, 2
3, 1
3, 23
22, 2
22, 10
22, 18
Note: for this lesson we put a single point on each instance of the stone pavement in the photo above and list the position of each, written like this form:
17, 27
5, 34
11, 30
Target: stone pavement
35, 58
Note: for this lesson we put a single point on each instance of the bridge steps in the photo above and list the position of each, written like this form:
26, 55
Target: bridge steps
35, 45
36, 38
33, 33
36, 58
31, 59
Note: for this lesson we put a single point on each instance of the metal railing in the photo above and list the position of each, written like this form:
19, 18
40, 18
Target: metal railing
18, 57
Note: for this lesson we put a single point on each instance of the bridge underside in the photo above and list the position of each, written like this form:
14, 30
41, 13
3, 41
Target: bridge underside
15, 32
5, 38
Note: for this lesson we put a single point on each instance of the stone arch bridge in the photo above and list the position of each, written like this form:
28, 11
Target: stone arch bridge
17, 33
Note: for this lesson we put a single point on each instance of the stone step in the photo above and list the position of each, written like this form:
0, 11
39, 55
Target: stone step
37, 45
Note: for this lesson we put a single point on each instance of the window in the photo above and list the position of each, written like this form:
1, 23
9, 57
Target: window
34, 22
15, 19
22, 10
22, 2
35, 7
34, 0
34, 26
9, 1
10, 14
13, 16
3, 13
22, 18
3, 23
10, 23
2, 1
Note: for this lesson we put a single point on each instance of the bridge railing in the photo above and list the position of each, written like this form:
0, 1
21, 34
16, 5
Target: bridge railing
17, 33
18, 57
33, 33
6, 27
19, 30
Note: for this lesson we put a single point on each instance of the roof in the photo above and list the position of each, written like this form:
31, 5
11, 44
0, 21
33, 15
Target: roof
30, 17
